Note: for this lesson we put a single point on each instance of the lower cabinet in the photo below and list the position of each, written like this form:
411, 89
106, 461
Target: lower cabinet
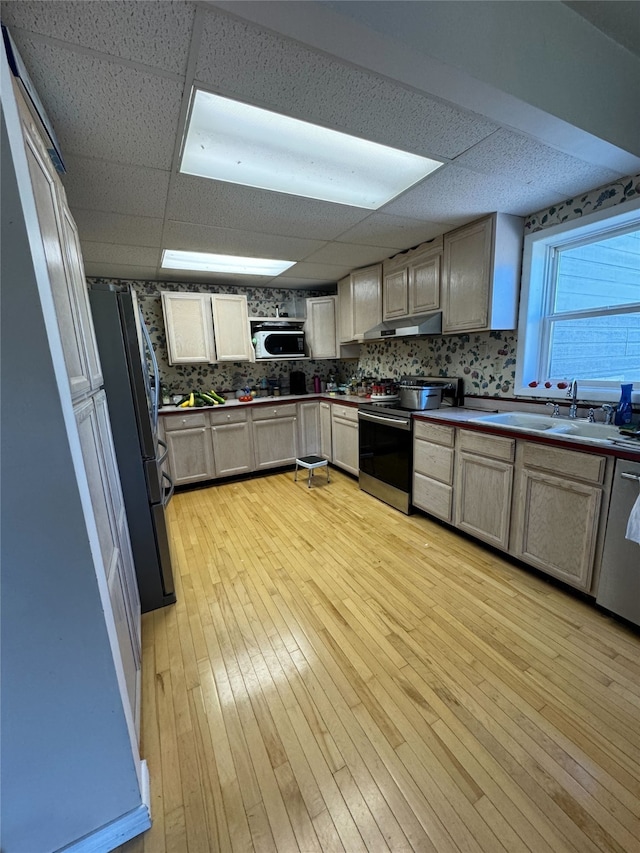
344, 438
309, 428
433, 458
275, 435
484, 478
232, 444
325, 431
558, 511
189, 448
544, 505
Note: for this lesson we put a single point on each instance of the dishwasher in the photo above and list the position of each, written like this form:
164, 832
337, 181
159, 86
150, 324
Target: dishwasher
619, 584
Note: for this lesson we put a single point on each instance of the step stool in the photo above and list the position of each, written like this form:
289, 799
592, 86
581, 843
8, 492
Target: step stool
311, 462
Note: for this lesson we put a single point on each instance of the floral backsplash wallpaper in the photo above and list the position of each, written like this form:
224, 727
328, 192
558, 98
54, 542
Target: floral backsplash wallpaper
486, 361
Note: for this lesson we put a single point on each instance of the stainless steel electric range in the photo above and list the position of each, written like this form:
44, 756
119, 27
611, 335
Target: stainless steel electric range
385, 435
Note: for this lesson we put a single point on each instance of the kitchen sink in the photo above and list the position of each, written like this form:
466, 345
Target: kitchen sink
579, 429
518, 420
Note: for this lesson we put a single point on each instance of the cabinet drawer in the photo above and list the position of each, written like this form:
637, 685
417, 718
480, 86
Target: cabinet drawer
579, 466
433, 460
432, 496
186, 421
437, 433
285, 410
349, 413
487, 445
217, 417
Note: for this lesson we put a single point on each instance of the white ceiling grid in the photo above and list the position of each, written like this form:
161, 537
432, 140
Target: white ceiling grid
115, 78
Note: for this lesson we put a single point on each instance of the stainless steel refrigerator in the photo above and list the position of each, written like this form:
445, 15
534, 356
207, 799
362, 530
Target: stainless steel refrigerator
132, 386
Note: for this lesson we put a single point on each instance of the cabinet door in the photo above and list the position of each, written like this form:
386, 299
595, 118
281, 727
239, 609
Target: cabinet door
467, 277
483, 498
432, 496
190, 455
325, 431
345, 444
345, 311
366, 297
557, 526
188, 326
309, 428
275, 441
232, 448
99, 461
395, 298
320, 328
231, 328
78, 282
63, 291
424, 285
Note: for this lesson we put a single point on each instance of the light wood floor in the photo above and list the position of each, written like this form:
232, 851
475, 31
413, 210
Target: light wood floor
337, 676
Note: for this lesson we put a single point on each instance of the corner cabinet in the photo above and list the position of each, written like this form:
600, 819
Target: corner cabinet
188, 327
309, 428
481, 274
325, 431
411, 281
359, 302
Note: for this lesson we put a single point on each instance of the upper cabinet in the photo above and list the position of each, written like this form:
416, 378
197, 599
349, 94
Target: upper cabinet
360, 302
201, 328
64, 263
481, 274
411, 281
232, 335
188, 326
320, 328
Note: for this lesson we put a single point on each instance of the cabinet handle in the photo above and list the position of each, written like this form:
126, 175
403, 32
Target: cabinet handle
626, 476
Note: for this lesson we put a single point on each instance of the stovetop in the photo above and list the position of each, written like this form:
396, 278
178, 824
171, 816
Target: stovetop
452, 395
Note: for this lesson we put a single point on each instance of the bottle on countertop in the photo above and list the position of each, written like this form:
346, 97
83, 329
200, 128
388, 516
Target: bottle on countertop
623, 412
317, 385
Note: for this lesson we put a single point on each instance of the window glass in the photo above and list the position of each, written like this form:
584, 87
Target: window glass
602, 274
604, 348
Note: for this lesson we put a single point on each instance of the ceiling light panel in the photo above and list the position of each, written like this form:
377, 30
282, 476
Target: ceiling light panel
242, 144
174, 259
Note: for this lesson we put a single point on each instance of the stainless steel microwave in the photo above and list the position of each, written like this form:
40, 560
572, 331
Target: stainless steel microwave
279, 344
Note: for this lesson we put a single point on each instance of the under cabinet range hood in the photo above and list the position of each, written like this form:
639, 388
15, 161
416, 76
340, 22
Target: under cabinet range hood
406, 327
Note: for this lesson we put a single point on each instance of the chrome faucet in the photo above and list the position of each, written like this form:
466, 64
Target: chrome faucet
572, 393
609, 412
591, 417
556, 408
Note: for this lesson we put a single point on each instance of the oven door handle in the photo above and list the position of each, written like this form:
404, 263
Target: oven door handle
389, 420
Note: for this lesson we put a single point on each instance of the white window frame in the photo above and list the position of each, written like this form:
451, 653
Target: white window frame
538, 275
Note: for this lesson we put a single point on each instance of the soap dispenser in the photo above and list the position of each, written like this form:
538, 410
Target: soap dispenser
623, 412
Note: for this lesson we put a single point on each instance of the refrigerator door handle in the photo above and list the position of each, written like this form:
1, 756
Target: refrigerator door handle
155, 390
165, 448
168, 493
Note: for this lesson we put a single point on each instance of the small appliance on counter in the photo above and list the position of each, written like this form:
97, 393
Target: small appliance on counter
297, 382
385, 434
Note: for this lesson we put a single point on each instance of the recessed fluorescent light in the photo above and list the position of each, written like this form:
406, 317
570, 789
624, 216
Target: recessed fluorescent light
241, 144
174, 259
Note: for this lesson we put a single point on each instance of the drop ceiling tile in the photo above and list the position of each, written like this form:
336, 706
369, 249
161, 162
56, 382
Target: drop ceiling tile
108, 270
215, 278
229, 241
112, 111
339, 254
240, 60
400, 232
223, 205
111, 253
317, 272
100, 227
453, 193
151, 33
114, 188
524, 160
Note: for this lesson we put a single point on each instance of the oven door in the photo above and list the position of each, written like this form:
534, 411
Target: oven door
385, 454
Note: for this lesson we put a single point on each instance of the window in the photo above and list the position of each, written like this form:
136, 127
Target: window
580, 306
